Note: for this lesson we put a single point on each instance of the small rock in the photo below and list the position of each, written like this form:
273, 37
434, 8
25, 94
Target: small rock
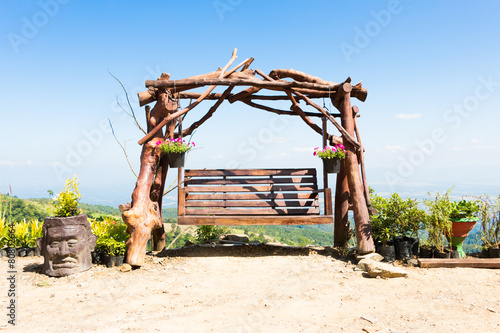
412, 262
237, 238
491, 310
52, 295
125, 268
374, 269
372, 256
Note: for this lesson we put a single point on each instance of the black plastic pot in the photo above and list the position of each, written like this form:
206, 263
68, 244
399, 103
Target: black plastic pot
176, 160
110, 261
96, 257
454, 253
426, 252
30, 252
331, 165
103, 257
494, 253
387, 251
22, 251
442, 255
401, 248
413, 245
119, 260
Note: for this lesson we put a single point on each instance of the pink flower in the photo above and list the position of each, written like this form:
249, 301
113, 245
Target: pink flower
158, 142
193, 144
315, 153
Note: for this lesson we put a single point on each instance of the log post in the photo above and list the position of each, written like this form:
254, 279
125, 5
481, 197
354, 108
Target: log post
361, 217
143, 216
341, 213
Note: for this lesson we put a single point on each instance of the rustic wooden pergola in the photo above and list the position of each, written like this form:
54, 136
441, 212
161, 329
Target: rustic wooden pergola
143, 216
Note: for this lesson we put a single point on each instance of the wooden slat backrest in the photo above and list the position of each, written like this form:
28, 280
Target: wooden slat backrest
250, 192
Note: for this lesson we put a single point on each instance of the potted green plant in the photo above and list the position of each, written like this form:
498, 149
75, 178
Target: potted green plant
331, 157
176, 150
3, 237
439, 223
463, 217
22, 235
35, 232
383, 227
111, 244
490, 225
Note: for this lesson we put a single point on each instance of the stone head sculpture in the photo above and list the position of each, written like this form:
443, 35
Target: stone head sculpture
66, 245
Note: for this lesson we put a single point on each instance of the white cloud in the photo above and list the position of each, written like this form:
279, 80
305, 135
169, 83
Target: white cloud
302, 149
408, 115
280, 139
13, 164
394, 149
474, 140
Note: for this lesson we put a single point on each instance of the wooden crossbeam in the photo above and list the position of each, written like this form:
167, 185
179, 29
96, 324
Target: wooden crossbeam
453, 263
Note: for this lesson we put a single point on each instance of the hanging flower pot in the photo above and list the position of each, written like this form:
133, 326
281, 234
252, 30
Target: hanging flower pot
176, 150
331, 157
176, 160
331, 165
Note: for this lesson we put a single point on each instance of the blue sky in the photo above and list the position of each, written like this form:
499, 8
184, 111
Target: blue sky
431, 69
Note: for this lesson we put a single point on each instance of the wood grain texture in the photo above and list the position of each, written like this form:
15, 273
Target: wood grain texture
453, 263
254, 220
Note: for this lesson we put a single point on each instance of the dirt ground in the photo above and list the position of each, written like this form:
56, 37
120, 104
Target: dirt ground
302, 292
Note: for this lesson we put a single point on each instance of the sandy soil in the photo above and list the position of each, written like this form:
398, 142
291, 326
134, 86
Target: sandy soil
299, 293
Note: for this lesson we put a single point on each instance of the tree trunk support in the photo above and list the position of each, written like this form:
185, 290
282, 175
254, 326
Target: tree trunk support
361, 217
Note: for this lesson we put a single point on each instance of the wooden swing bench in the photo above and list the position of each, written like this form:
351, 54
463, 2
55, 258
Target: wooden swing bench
251, 197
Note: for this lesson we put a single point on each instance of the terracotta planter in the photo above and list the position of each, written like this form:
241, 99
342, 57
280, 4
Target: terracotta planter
331, 165
462, 227
459, 231
176, 160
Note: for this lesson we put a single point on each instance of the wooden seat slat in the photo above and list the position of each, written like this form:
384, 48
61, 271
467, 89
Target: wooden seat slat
248, 172
255, 220
249, 181
252, 196
269, 188
251, 211
253, 203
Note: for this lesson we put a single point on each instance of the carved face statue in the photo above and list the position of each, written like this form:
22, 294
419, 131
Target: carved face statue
66, 245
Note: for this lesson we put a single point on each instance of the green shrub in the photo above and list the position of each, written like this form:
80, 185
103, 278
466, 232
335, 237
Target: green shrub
112, 235
205, 233
66, 203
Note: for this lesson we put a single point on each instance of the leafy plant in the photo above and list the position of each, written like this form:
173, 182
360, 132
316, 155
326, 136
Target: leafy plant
22, 234
396, 217
175, 146
464, 209
66, 202
490, 221
4, 229
112, 235
440, 224
337, 152
205, 233
35, 232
